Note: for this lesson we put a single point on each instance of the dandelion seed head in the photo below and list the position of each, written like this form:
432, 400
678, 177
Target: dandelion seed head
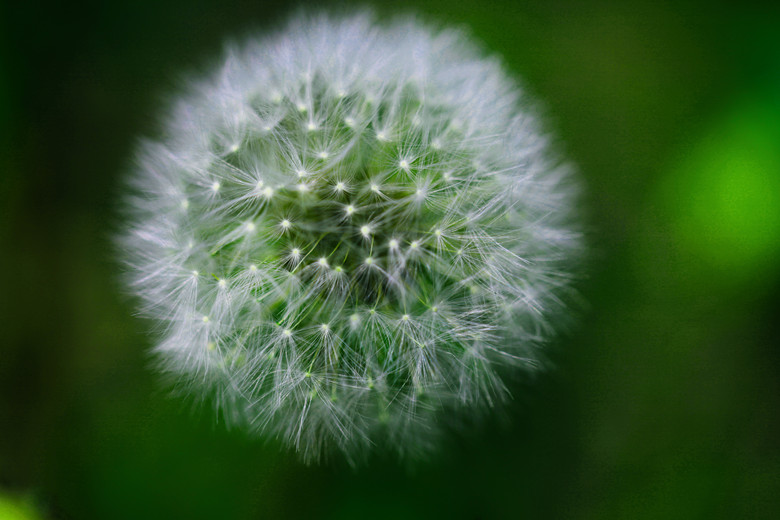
398, 155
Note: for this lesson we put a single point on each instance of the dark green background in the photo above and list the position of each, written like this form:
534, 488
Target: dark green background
666, 397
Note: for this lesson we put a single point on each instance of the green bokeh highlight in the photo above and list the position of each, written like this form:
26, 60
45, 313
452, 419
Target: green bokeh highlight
724, 196
17, 508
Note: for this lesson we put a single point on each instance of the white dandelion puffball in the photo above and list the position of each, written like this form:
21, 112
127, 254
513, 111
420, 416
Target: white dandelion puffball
349, 233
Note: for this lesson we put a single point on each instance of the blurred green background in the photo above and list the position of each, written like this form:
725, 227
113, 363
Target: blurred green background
666, 399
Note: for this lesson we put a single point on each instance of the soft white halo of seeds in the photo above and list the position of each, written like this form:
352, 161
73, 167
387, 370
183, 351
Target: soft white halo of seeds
347, 229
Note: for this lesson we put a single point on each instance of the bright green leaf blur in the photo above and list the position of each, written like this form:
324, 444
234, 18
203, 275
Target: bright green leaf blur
724, 195
14, 508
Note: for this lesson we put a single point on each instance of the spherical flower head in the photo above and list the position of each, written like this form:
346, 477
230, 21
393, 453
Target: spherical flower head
348, 232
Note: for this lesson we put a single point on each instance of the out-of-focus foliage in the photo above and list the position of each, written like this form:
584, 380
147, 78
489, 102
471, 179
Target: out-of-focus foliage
724, 195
